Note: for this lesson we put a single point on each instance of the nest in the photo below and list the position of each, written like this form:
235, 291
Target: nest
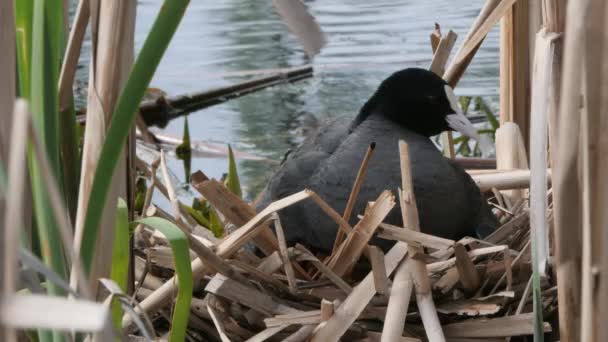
423, 287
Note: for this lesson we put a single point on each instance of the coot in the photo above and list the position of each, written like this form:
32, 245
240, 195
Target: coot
413, 105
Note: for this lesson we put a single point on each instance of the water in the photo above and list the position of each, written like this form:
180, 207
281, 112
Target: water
367, 40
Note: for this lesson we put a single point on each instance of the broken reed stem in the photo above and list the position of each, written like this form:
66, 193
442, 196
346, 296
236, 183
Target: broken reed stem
352, 198
323, 269
417, 268
169, 186
399, 300
142, 166
376, 257
435, 37
229, 245
441, 53
287, 266
461, 60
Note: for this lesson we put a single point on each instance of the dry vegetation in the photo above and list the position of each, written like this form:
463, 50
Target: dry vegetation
176, 280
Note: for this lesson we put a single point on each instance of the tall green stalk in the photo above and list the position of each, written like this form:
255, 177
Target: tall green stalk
24, 15
124, 114
46, 41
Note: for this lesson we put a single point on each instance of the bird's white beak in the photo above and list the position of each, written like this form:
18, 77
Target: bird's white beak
458, 121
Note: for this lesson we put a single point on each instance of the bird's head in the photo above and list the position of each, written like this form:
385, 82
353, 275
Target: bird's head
419, 100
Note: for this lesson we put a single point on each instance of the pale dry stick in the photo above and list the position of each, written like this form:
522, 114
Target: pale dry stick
381, 282
468, 275
593, 180
543, 70
440, 58
522, 301
418, 269
435, 37
142, 166
391, 232
203, 252
226, 248
476, 38
441, 55
153, 184
357, 301
301, 334
513, 263
398, 303
344, 226
600, 196
287, 266
461, 61
218, 324
72, 52
356, 241
232, 208
267, 333
13, 220
515, 51
169, 186
327, 309
518, 179
352, 198
323, 269
566, 181
510, 151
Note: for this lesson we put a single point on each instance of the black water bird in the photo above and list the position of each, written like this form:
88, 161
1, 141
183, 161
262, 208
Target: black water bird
413, 105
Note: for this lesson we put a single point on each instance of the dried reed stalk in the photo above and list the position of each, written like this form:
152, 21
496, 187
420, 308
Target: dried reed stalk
349, 252
566, 186
226, 248
399, 300
441, 53
355, 303
17, 169
112, 27
488, 16
416, 267
517, 179
72, 52
287, 266
515, 68
381, 281
352, 197
511, 153
543, 69
600, 199
594, 89
553, 19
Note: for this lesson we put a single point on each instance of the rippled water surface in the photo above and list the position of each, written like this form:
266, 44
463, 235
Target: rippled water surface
367, 40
